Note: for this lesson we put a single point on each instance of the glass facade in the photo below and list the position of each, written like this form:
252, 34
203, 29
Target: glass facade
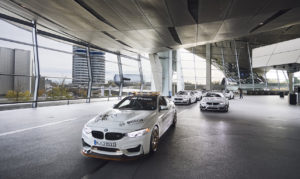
194, 71
64, 70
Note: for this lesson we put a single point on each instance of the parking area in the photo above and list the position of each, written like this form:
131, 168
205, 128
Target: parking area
258, 138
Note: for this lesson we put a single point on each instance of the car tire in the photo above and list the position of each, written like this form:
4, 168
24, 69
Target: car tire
154, 140
226, 109
189, 101
174, 120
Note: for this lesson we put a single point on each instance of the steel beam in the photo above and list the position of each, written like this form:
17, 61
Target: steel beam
223, 63
194, 67
237, 63
180, 79
208, 67
90, 74
120, 75
278, 80
251, 66
141, 72
36, 66
266, 80
291, 82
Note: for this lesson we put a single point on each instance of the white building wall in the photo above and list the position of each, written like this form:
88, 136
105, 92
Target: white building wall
15, 62
22, 66
6, 67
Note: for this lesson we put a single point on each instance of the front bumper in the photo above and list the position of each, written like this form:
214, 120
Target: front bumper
124, 148
213, 107
183, 101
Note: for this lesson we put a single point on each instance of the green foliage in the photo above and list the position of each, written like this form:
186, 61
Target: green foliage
18, 95
59, 92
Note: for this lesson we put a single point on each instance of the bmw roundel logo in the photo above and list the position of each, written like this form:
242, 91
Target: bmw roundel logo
105, 130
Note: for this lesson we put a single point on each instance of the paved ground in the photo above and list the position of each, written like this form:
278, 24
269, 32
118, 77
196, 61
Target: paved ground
258, 138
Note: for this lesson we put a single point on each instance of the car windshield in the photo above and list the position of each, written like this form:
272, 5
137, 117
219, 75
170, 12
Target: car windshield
212, 95
182, 93
138, 103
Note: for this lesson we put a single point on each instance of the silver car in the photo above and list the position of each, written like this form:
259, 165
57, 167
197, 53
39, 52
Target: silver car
228, 94
185, 97
214, 101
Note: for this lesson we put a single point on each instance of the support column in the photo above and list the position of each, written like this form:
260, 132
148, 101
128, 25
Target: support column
170, 73
37, 65
237, 63
156, 70
195, 68
285, 77
266, 80
180, 80
291, 83
208, 67
141, 72
251, 66
223, 62
88, 100
278, 80
120, 75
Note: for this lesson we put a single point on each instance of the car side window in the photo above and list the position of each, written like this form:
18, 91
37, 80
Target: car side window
162, 101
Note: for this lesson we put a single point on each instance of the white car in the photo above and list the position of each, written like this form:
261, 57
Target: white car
185, 97
198, 95
214, 101
132, 128
228, 94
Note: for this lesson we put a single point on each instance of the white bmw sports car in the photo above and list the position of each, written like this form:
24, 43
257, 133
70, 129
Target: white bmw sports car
185, 97
214, 101
228, 94
132, 128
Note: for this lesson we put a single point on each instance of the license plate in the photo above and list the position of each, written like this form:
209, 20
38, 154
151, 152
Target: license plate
105, 144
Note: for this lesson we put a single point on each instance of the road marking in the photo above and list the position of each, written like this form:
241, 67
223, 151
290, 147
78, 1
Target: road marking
36, 127
181, 112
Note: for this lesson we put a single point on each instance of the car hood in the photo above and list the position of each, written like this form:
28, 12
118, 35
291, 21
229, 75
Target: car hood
214, 99
122, 119
181, 96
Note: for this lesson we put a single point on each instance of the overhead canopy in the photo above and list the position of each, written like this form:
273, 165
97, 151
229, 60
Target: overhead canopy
280, 55
155, 25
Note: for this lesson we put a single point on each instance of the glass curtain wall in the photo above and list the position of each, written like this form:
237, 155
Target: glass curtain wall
131, 75
147, 74
277, 79
16, 64
56, 71
194, 71
105, 73
64, 73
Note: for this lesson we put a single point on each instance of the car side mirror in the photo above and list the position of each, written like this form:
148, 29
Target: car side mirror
163, 107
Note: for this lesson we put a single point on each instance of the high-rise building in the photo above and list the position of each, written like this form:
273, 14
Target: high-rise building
15, 70
80, 66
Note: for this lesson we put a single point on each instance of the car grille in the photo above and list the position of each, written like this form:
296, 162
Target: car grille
97, 134
213, 103
113, 136
178, 98
105, 149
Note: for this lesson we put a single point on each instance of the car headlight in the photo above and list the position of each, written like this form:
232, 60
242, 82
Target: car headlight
138, 133
87, 130
222, 103
203, 103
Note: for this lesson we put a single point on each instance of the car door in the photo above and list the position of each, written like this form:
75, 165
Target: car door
192, 97
163, 114
170, 113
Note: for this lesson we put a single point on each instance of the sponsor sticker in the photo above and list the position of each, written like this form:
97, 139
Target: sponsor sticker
136, 121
